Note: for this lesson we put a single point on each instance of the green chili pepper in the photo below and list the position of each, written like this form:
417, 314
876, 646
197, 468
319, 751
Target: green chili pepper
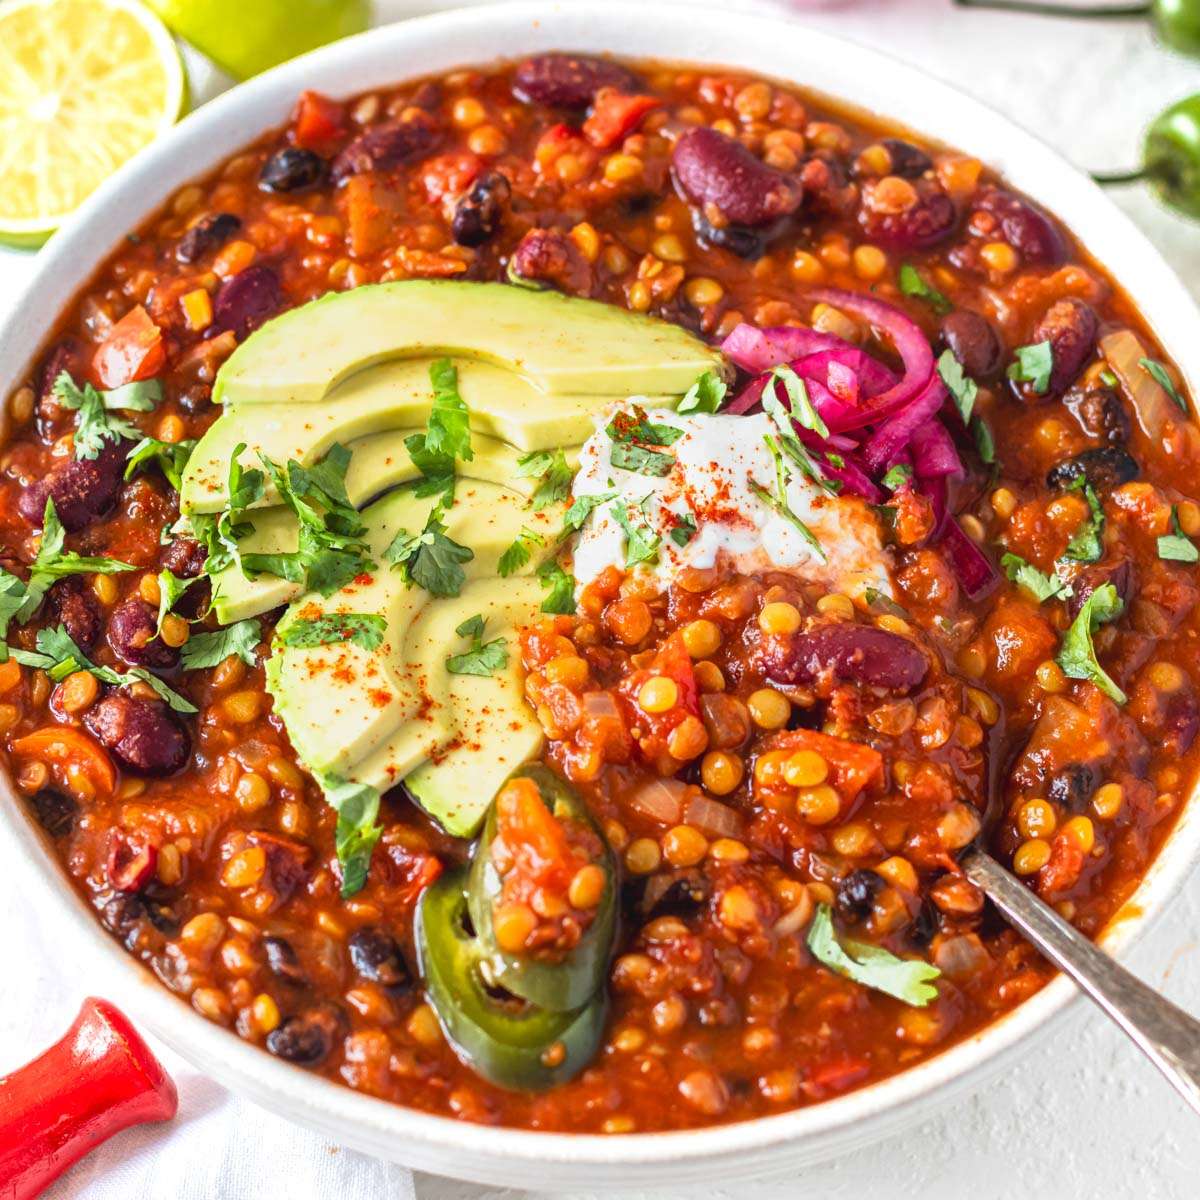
1170, 158
507, 1040
560, 986
1176, 22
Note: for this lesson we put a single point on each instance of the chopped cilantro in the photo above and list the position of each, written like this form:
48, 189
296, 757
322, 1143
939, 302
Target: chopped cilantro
1086, 544
641, 544
1039, 585
430, 559
897, 477
777, 499
560, 588
985, 444
684, 529
554, 472
520, 552
364, 630
962, 388
1158, 373
171, 457
1109, 379
1176, 546
358, 828
483, 658
96, 424
907, 979
878, 601
170, 591
1034, 365
210, 649
1077, 656
912, 284
633, 437
788, 442
706, 395
447, 435
802, 409
581, 508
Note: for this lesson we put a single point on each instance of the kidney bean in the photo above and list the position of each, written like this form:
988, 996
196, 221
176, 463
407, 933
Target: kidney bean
1087, 579
292, 169
854, 894
83, 490
931, 220
210, 233
479, 213
66, 356
1101, 413
376, 957
132, 859
132, 638
1105, 468
385, 146
1072, 786
974, 343
1025, 228
552, 256
282, 960
144, 736
908, 161
1070, 326
245, 300
73, 604
55, 811
828, 189
308, 1037
286, 862
853, 653
711, 169
184, 557
568, 80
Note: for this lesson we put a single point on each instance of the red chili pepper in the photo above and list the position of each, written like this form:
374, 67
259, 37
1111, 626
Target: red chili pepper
98, 1079
615, 116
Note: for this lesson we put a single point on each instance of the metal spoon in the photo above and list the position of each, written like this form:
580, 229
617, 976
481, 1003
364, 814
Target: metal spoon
1164, 1033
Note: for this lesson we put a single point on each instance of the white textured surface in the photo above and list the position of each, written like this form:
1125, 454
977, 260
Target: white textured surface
1084, 1116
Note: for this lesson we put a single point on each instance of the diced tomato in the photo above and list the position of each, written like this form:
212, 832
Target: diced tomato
133, 350
1063, 869
556, 141
615, 116
534, 835
674, 661
317, 120
832, 1077
449, 175
853, 765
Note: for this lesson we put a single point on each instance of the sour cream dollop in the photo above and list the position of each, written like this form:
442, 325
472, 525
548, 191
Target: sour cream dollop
708, 488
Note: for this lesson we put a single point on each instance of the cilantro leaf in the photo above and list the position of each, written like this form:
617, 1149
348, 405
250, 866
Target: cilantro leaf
641, 545
555, 485
1033, 365
581, 508
897, 477
633, 437
788, 442
430, 559
1077, 656
1024, 574
777, 500
639, 459
211, 649
364, 630
1176, 546
985, 444
170, 591
358, 829
802, 409
483, 658
95, 425
171, 457
520, 552
879, 601
1158, 373
684, 529
560, 588
907, 979
447, 435
913, 284
706, 395
1086, 544
962, 388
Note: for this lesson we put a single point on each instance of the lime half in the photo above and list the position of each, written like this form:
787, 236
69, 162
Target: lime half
84, 85
246, 38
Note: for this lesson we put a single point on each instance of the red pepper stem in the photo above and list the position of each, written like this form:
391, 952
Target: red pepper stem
1086, 11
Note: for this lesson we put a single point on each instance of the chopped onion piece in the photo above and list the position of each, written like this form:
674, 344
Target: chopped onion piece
659, 799
712, 818
1124, 351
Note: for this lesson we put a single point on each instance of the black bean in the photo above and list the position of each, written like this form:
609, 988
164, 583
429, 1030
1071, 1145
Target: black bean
1026, 228
144, 736
291, 169
246, 300
683, 896
848, 652
1072, 786
854, 894
1105, 468
974, 343
908, 161
924, 928
83, 490
385, 146
737, 239
376, 957
210, 233
479, 213
568, 80
55, 811
1101, 413
73, 604
131, 635
308, 1037
931, 220
282, 960
713, 170
1070, 326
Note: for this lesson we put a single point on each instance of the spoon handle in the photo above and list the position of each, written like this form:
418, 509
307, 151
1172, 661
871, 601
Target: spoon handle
1164, 1033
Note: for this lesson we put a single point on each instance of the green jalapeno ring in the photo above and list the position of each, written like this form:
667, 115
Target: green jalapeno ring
510, 1042
560, 986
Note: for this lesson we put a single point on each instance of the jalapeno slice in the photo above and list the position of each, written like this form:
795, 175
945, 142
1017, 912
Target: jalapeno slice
504, 1038
558, 985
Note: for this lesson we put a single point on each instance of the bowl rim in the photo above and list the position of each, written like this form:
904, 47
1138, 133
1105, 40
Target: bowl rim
786, 50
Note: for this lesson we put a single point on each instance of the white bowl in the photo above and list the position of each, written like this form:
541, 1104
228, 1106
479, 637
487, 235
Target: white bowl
386, 56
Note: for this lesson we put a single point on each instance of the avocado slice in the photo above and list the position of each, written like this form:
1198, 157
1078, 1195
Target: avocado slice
388, 699
562, 345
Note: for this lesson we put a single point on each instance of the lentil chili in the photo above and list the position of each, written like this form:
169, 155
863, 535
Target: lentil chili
750, 776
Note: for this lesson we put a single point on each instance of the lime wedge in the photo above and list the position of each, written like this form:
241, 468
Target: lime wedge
84, 85
246, 38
